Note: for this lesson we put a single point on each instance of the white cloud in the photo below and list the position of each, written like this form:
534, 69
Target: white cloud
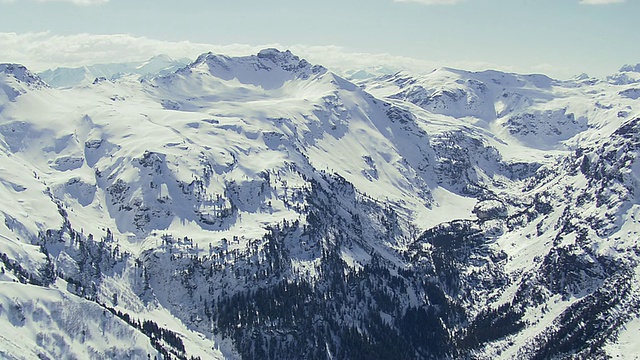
432, 2
601, 2
42, 51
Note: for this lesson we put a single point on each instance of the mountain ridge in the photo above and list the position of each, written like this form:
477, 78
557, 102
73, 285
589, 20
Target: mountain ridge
265, 207
63, 77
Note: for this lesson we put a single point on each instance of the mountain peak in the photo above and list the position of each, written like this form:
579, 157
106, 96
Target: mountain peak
276, 55
284, 59
161, 57
630, 68
264, 60
628, 74
22, 74
16, 79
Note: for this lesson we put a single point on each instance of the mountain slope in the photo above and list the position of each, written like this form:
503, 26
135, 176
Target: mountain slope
264, 207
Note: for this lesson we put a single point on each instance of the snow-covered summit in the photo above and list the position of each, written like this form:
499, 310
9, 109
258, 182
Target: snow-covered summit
21, 73
627, 75
532, 110
285, 60
458, 93
269, 69
16, 79
268, 75
630, 68
266, 59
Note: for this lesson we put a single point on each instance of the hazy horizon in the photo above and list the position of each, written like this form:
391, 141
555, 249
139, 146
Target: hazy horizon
559, 38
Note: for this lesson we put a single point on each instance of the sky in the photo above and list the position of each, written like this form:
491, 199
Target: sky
560, 38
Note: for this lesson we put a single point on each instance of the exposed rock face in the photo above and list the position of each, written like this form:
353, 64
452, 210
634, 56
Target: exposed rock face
490, 209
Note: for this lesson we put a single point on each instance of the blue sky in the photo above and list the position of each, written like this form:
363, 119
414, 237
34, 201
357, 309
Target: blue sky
557, 37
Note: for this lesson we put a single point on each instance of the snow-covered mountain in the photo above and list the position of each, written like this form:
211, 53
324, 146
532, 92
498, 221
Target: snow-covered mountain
628, 74
66, 77
265, 207
16, 80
